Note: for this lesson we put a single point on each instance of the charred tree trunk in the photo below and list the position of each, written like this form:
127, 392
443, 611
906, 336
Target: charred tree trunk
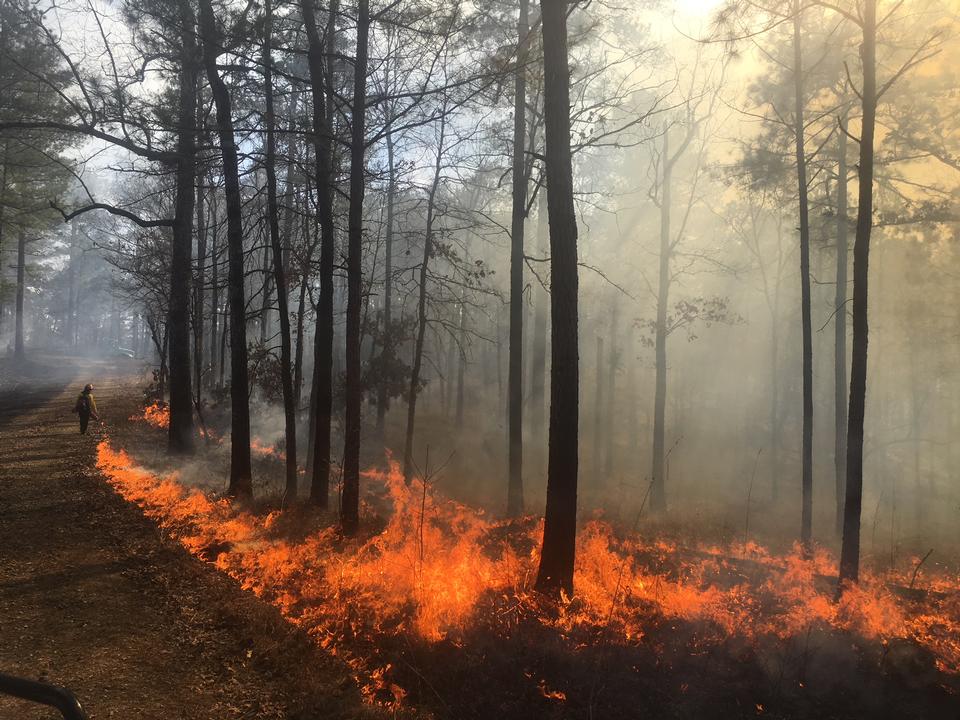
180, 440
350, 507
279, 272
840, 337
322, 389
519, 216
806, 515
850, 551
241, 478
557, 555
422, 309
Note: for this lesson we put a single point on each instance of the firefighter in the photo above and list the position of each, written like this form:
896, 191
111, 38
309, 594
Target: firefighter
86, 407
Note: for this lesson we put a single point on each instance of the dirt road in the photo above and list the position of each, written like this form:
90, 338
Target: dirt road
94, 599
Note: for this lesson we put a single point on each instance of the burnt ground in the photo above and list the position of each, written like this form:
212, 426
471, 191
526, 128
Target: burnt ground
93, 598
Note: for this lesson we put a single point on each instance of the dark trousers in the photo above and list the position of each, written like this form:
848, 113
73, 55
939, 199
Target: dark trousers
84, 420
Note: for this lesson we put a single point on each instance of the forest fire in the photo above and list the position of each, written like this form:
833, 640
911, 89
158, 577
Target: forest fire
261, 449
156, 414
439, 569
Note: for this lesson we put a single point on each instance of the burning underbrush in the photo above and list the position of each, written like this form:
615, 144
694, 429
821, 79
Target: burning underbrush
156, 414
436, 575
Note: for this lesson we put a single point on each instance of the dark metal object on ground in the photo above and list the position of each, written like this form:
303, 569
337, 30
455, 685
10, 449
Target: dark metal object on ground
45, 694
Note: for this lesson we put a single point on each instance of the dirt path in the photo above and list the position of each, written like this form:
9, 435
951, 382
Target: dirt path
93, 598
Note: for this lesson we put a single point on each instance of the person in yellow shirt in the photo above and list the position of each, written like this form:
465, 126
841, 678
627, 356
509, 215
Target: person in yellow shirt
86, 407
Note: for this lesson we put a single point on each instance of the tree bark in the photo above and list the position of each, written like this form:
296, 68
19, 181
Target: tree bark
180, 440
840, 337
538, 368
461, 365
199, 281
350, 505
214, 303
387, 350
241, 478
557, 555
519, 216
279, 271
806, 514
850, 550
322, 388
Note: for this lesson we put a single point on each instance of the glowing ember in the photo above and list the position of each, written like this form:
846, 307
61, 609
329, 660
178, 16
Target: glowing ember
440, 568
157, 415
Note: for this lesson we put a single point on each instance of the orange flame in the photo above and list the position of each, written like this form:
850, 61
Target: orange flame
261, 449
156, 414
439, 567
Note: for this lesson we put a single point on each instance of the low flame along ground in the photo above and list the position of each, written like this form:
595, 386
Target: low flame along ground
438, 567
158, 416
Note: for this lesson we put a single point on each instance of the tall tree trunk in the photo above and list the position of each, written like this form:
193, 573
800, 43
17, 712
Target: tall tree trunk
266, 290
658, 494
321, 86
422, 307
840, 337
241, 477
850, 551
806, 514
198, 304
279, 272
298, 355
214, 303
519, 216
350, 507
557, 555
180, 440
387, 351
18, 351
538, 367
461, 365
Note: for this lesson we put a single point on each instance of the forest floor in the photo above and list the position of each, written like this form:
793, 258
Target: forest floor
93, 598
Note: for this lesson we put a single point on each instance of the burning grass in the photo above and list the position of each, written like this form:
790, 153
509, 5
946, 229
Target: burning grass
438, 570
157, 415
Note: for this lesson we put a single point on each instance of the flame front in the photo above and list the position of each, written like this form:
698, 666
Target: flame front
439, 568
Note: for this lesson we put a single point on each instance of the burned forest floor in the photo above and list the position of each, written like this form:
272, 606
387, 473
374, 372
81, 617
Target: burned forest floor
173, 604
